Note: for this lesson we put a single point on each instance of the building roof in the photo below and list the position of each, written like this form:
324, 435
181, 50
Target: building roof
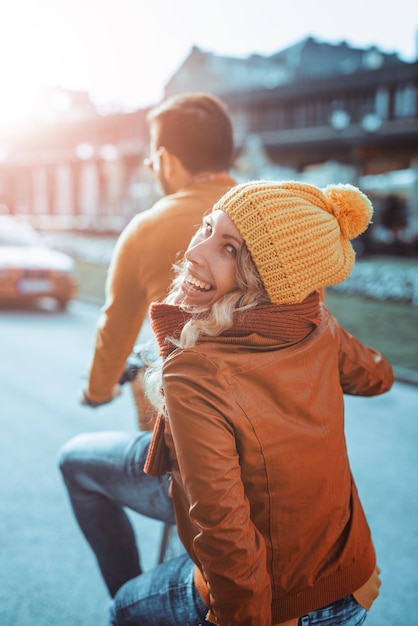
207, 71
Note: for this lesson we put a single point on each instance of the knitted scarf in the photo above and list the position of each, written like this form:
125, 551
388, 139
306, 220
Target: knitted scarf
287, 323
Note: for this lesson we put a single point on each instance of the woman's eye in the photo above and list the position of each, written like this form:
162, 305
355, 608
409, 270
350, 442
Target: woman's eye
207, 228
230, 248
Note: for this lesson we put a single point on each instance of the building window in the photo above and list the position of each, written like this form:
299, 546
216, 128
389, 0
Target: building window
406, 101
382, 101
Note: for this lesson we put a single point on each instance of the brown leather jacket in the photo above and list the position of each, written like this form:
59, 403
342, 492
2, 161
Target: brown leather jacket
264, 497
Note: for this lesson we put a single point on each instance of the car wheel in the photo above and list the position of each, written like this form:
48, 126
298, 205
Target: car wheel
62, 305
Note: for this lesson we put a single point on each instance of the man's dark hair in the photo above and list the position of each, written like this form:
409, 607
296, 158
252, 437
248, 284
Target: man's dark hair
197, 129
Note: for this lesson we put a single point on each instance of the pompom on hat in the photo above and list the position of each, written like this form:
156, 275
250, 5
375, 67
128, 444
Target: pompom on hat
297, 234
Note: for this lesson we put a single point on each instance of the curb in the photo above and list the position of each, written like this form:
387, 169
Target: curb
404, 375
90, 299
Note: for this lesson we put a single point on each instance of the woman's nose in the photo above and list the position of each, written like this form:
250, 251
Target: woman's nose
196, 253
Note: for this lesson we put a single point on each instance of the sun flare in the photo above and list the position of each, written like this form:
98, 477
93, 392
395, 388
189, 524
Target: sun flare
27, 61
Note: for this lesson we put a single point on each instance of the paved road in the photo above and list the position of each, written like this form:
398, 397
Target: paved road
47, 574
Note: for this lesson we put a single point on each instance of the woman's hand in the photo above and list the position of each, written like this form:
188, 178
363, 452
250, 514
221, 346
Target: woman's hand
368, 593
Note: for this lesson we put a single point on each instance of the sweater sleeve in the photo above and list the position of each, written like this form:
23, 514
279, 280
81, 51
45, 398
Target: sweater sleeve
228, 548
140, 272
122, 315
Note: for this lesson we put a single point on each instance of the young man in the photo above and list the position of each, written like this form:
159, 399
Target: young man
191, 152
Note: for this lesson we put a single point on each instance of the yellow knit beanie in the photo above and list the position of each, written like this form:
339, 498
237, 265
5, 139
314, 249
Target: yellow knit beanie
298, 235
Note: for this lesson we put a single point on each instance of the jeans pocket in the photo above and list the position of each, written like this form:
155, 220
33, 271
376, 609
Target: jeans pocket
361, 616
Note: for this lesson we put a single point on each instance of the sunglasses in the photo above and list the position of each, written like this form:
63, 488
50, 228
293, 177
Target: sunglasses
150, 162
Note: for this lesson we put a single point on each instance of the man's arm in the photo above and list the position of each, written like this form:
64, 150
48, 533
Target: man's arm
122, 316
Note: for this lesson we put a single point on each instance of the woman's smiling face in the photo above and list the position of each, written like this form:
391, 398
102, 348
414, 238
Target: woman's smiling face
211, 262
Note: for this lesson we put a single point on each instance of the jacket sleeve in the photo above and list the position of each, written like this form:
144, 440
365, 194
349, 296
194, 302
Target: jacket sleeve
363, 370
122, 315
228, 548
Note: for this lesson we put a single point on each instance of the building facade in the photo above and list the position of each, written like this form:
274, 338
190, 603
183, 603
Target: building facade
311, 104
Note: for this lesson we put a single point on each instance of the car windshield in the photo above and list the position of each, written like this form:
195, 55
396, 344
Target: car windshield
14, 233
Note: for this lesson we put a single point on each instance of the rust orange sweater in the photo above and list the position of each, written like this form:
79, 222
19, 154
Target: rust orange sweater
140, 273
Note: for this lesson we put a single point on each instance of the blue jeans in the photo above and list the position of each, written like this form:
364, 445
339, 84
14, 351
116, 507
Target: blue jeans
103, 473
167, 595
344, 612
163, 595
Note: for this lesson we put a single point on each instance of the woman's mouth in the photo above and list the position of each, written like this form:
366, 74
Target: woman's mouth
199, 285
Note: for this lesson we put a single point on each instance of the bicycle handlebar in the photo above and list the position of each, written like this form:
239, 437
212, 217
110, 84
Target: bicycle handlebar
141, 356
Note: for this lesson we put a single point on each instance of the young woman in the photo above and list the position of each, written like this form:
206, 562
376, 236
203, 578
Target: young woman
251, 428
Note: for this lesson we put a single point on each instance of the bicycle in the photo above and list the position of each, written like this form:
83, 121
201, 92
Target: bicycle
141, 357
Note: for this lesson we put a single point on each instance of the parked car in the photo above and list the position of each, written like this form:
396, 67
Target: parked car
30, 269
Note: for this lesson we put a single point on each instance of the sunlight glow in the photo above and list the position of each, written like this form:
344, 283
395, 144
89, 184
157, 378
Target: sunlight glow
27, 63
123, 52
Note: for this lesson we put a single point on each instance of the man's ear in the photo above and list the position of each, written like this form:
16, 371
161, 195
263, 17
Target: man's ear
174, 169
171, 163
